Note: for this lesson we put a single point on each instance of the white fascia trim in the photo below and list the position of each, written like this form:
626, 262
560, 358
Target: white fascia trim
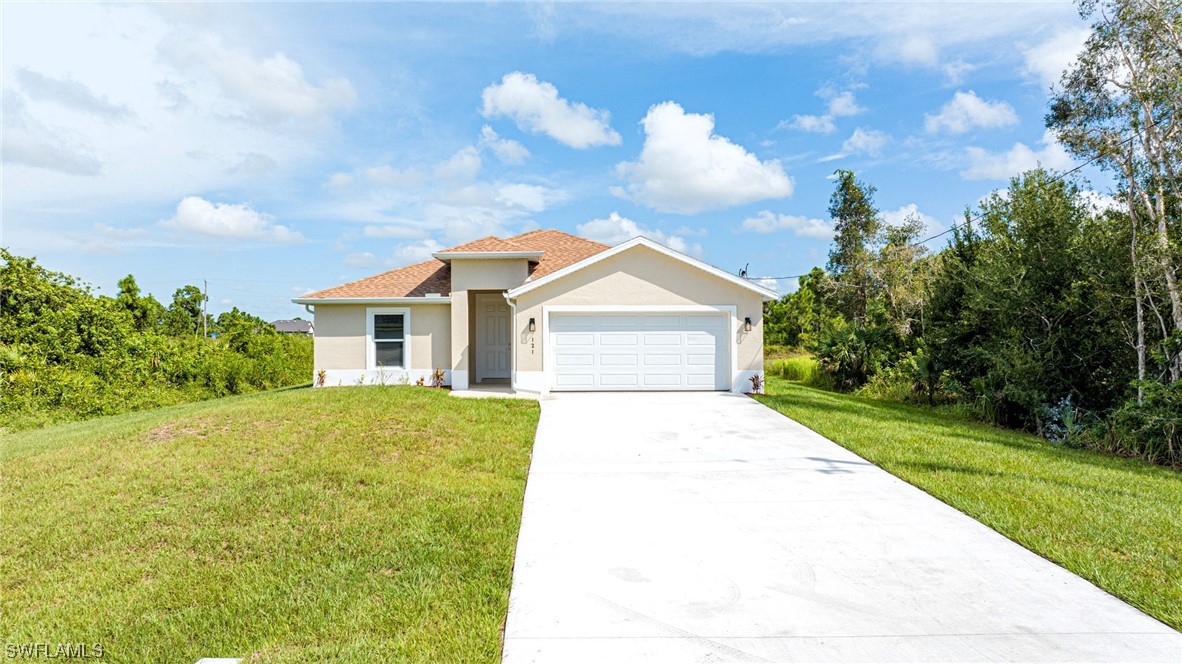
371, 300
730, 310
370, 359
766, 293
446, 256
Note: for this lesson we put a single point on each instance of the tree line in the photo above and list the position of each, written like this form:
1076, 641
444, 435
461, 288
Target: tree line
67, 353
1044, 310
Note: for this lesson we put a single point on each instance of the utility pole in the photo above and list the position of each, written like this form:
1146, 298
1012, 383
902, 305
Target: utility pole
205, 309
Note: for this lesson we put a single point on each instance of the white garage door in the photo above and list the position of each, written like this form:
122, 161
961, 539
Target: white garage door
640, 351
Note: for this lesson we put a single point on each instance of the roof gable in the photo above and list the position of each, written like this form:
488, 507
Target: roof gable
572, 268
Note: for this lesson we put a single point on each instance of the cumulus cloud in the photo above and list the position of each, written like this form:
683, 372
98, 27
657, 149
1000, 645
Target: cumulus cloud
228, 220
272, 87
415, 252
507, 150
897, 217
767, 221
986, 165
71, 94
462, 166
967, 111
868, 141
1045, 62
537, 108
685, 168
616, 229
839, 105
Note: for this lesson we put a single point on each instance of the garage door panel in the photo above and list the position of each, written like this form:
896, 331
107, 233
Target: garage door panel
574, 339
643, 351
576, 381
619, 381
614, 360
574, 360
665, 360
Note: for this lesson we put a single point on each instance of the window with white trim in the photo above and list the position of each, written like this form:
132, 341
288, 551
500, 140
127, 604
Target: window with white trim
389, 340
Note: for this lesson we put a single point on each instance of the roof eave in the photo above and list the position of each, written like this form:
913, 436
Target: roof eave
446, 256
372, 300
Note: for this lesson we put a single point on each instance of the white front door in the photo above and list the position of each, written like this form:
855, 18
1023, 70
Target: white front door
493, 344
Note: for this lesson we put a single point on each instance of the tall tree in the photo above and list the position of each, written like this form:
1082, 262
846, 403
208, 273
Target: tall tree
184, 314
146, 313
855, 233
1118, 104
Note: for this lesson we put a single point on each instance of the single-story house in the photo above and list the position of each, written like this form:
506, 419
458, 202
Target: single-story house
545, 311
297, 326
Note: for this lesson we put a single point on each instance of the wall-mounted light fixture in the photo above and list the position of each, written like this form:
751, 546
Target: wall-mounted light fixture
533, 327
747, 323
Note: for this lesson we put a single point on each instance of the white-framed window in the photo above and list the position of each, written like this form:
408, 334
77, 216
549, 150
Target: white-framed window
387, 337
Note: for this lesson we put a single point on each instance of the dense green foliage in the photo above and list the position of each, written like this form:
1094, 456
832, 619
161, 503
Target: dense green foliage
1026, 318
66, 353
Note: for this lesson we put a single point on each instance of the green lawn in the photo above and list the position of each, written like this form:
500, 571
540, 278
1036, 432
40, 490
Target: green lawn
351, 524
1116, 522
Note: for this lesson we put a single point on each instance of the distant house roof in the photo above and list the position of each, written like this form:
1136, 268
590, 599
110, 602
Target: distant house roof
293, 326
557, 250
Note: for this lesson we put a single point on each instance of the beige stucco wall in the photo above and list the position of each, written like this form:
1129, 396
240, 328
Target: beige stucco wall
340, 336
639, 276
477, 275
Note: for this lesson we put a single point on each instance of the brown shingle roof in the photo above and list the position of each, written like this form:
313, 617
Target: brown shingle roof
559, 249
490, 244
434, 276
416, 280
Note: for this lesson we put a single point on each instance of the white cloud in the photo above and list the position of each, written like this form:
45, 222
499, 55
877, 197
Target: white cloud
392, 230
272, 87
867, 141
361, 260
536, 107
616, 229
533, 198
462, 166
240, 221
916, 49
967, 111
71, 94
986, 165
956, 70
843, 104
685, 168
388, 176
414, 252
507, 150
29, 142
767, 221
839, 105
338, 181
1100, 203
818, 124
1045, 62
897, 217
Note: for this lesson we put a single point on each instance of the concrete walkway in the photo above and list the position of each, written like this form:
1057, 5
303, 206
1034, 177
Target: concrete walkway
709, 528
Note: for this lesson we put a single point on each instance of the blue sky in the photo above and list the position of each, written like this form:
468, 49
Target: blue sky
279, 148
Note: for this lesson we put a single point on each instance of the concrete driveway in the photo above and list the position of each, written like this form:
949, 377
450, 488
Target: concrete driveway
709, 528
